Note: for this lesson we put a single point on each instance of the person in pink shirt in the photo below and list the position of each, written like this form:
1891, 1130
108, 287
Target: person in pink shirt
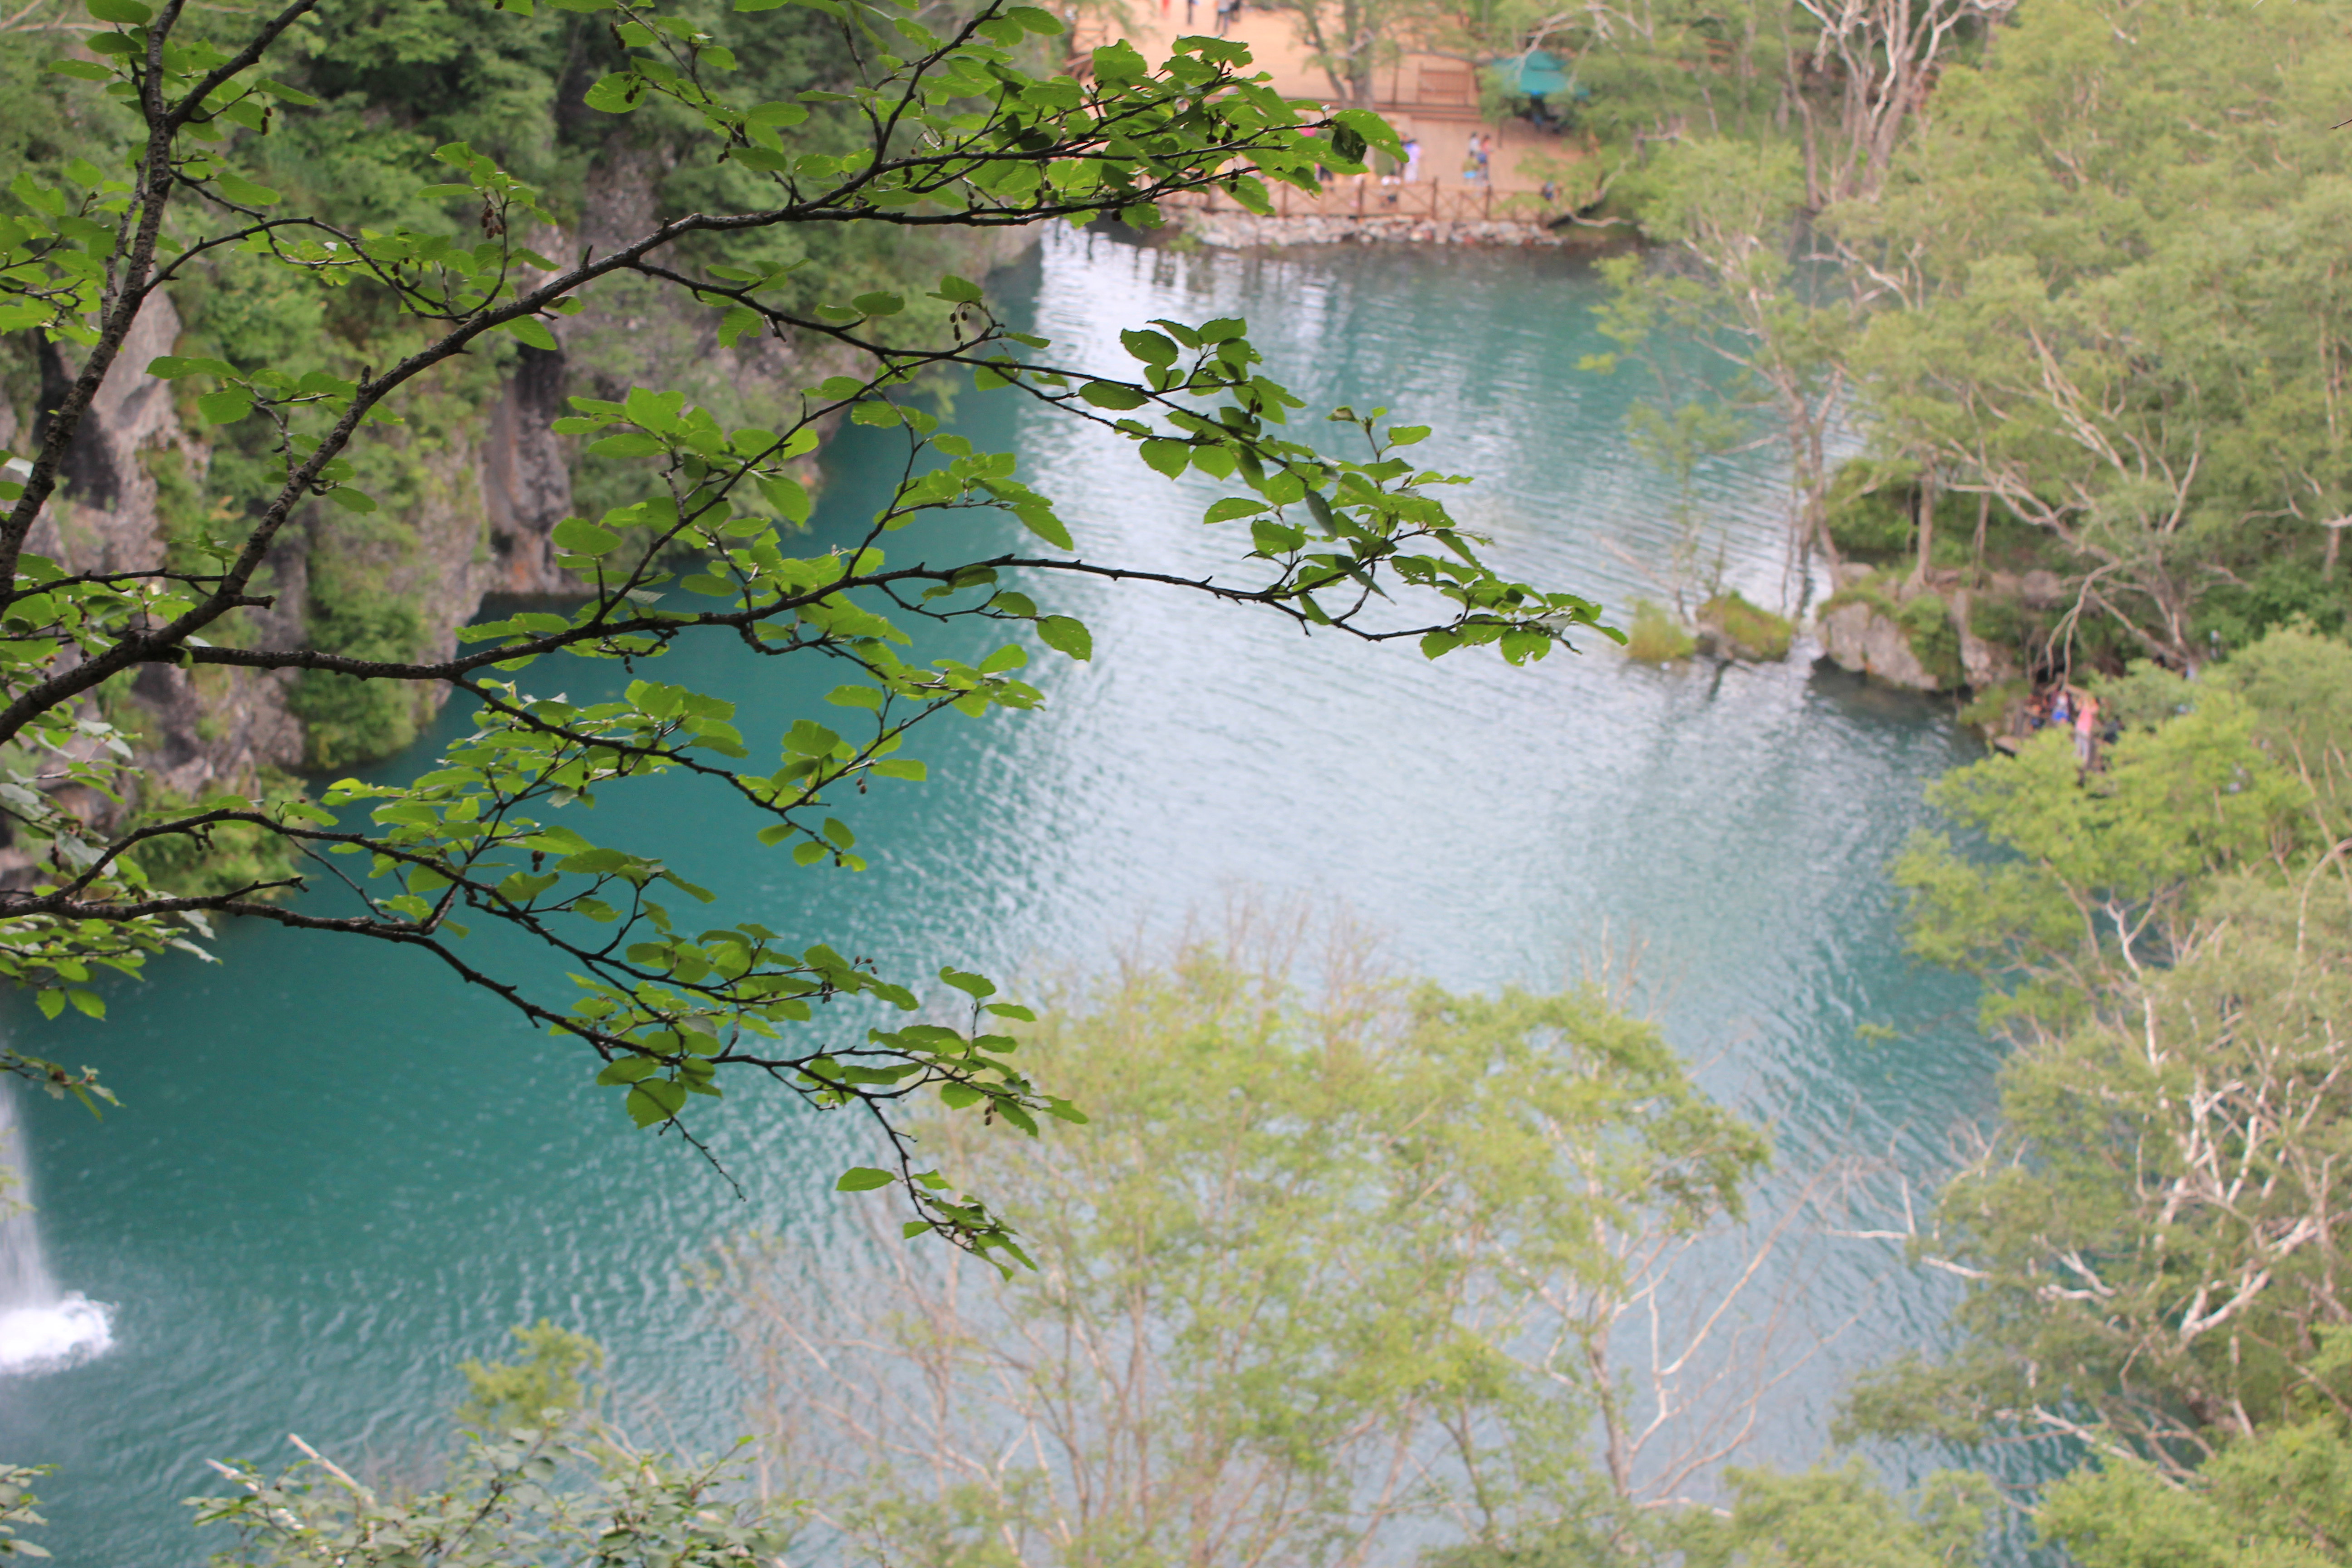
2086, 729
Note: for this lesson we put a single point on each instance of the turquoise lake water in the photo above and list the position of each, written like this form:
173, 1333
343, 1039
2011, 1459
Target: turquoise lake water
335, 1174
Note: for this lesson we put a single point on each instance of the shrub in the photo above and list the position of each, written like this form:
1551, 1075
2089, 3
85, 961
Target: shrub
227, 857
1749, 630
1869, 508
1656, 638
1926, 623
347, 720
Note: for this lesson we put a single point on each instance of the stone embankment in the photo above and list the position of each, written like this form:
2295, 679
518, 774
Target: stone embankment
1247, 231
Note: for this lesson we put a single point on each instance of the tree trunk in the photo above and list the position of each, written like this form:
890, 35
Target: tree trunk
1984, 516
1927, 531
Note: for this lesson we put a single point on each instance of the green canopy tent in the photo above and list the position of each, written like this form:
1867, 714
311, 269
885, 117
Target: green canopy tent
1536, 74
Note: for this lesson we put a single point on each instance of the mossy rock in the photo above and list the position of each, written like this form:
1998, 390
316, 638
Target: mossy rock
1926, 623
1747, 631
1655, 637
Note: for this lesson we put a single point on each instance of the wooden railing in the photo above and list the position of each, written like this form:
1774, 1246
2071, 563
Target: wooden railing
1435, 201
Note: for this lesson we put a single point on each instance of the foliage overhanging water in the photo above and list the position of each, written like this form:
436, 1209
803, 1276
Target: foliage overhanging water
336, 1174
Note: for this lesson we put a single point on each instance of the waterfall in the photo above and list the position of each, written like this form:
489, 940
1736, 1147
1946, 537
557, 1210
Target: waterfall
41, 1327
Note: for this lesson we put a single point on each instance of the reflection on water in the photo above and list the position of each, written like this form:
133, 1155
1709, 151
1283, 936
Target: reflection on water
335, 1175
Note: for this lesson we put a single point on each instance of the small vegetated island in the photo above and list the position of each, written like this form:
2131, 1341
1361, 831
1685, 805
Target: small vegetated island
327, 325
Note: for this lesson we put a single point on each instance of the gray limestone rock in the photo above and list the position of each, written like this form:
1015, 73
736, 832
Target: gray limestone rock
1856, 637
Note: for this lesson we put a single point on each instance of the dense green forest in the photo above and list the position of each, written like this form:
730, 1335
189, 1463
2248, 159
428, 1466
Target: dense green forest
2065, 272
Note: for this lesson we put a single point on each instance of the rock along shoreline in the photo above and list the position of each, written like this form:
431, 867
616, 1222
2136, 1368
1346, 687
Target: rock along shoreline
1248, 231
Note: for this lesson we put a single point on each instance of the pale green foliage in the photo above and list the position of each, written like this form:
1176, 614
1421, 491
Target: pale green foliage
17, 1508
2106, 873
2280, 1498
2115, 310
1842, 1518
1320, 1265
566, 1490
2149, 1236
552, 1376
1655, 636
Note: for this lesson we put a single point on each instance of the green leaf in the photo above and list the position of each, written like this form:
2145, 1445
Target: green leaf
532, 331
977, 986
653, 1100
615, 94
776, 115
1169, 457
627, 443
227, 407
284, 94
237, 188
767, 161
1040, 520
350, 500
1152, 348
1111, 394
786, 495
51, 1003
808, 738
1064, 635
1231, 508
863, 1179
581, 537
88, 70
124, 13
879, 304
1217, 462
168, 367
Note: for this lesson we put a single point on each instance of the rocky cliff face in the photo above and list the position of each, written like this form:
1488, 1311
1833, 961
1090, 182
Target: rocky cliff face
494, 496
486, 488
1869, 628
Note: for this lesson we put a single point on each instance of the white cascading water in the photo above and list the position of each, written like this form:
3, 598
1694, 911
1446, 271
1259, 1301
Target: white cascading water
41, 1327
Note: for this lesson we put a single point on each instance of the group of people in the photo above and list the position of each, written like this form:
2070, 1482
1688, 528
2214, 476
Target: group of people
2067, 707
1473, 161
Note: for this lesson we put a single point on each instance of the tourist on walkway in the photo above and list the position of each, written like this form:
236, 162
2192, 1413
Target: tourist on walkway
1412, 152
1226, 11
2086, 729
